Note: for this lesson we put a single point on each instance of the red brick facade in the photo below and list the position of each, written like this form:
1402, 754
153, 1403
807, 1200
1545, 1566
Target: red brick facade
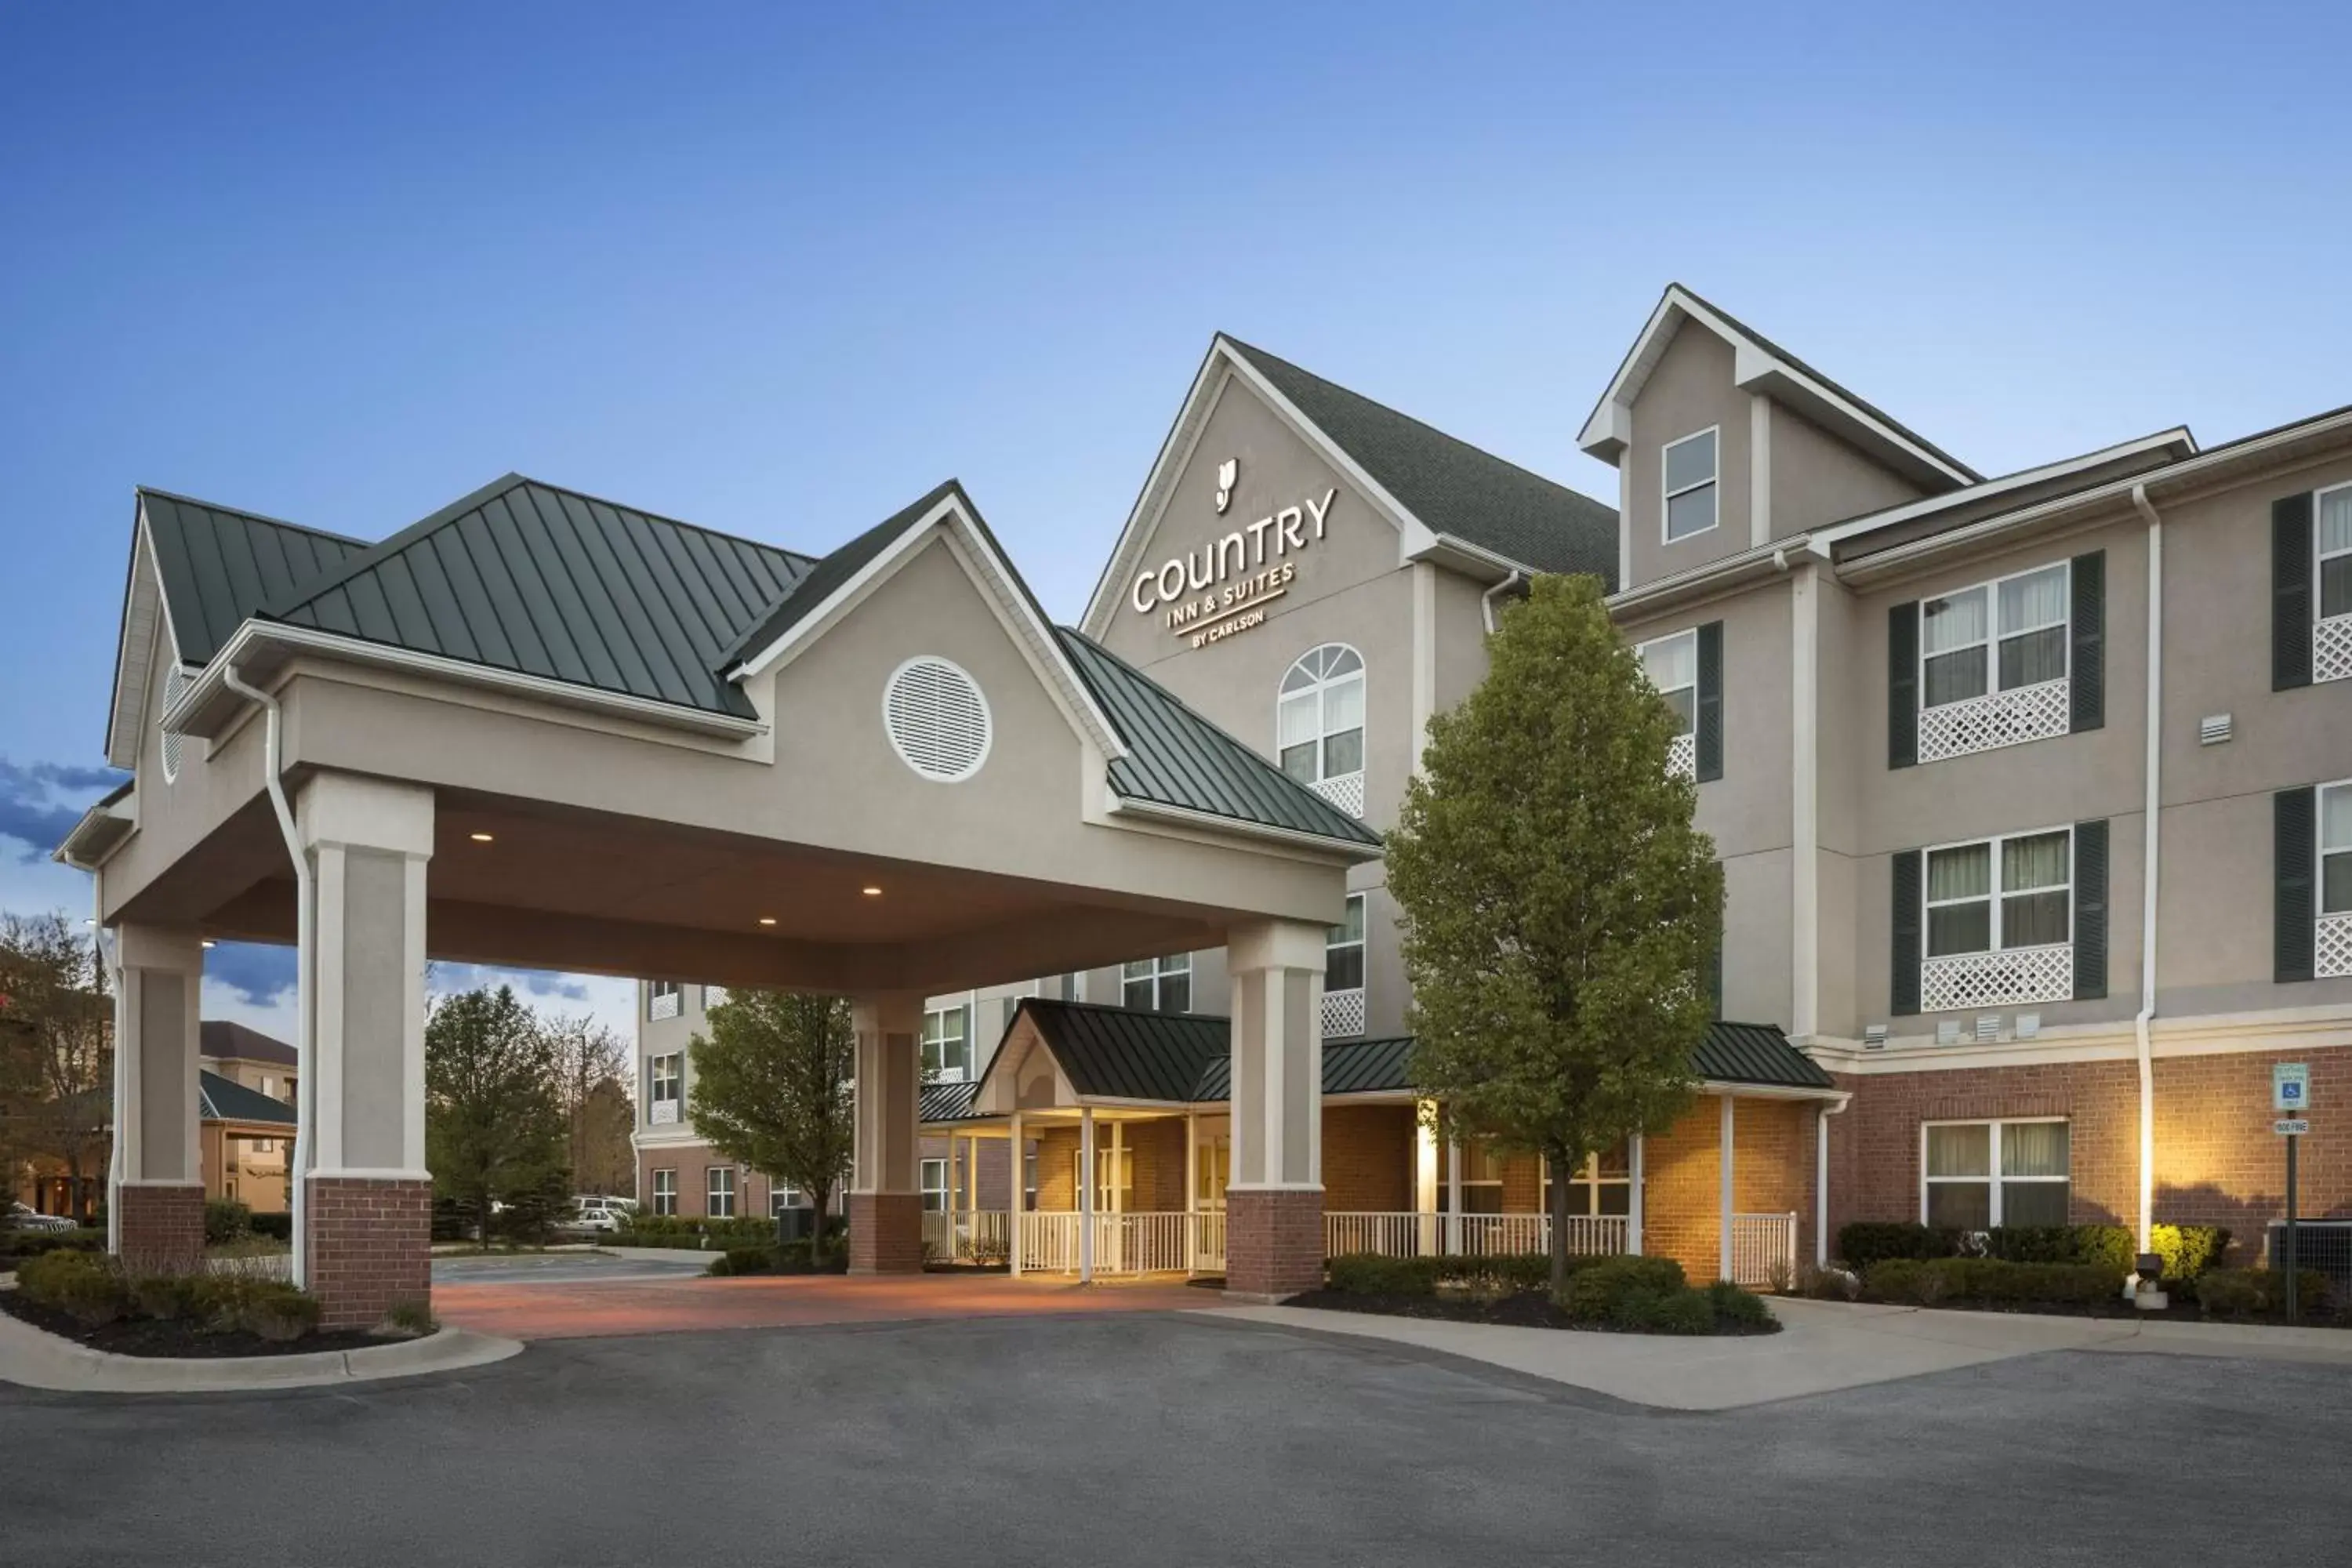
162, 1227
2217, 1160
886, 1233
1368, 1159
371, 1247
1273, 1241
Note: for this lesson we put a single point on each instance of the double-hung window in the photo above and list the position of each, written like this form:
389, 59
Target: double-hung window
1320, 723
2000, 893
947, 1043
1978, 1174
663, 998
2334, 561
1672, 665
1689, 473
665, 1191
1603, 1186
935, 1186
1343, 973
720, 1193
665, 1077
1158, 984
2336, 850
2002, 635
1482, 1178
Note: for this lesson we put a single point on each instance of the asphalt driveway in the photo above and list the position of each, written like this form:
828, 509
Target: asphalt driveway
1153, 1438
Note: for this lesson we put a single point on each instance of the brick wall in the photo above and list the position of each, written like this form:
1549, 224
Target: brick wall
162, 1228
1274, 1242
371, 1247
2217, 1160
1367, 1152
886, 1233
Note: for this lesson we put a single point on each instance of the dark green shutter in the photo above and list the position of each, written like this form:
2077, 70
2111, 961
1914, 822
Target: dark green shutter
1715, 967
1906, 932
2294, 922
2090, 910
1902, 685
2086, 692
2291, 591
1710, 701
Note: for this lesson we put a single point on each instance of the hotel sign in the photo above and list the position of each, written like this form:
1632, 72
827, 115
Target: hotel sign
1223, 587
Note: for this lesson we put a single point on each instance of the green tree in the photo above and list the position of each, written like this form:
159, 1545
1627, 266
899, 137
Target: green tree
1559, 910
57, 1054
771, 1088
495, 1131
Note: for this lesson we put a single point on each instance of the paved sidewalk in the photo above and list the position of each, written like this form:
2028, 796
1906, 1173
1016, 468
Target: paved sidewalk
1823, 1347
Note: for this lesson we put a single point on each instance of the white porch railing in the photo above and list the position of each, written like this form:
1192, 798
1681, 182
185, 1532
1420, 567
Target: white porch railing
1158, 1242
1416, 1235
1763, 1244
967, 1235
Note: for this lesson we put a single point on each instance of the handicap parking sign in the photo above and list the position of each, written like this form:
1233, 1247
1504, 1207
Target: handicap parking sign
2290, 1086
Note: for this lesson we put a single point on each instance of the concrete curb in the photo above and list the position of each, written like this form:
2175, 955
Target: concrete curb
36, 1359
2148, 1336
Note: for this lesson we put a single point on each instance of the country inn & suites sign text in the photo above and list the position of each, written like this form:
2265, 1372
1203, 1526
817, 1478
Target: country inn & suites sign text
1225, 586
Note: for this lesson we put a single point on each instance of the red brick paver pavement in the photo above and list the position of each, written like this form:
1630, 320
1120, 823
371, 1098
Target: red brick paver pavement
579, 1309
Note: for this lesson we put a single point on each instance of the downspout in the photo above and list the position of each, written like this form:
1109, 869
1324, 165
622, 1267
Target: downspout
305, 943
1486, 600
2148, 864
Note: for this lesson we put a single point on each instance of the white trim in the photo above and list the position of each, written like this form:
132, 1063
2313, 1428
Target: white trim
1608, 430
2320, 557
1759, 468
1320, 686
1871, 522
1804, 797
987, 718
2319, 850
1992, 1179
1667, 492
1130, 806
1642, 651
1994, 636
209, 685
1995, 892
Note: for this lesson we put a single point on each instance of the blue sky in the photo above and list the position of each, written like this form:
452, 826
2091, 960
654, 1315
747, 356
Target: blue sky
779, 270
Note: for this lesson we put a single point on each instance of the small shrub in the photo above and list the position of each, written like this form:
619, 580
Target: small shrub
1736, 1307
2189, 1250
1865, 1243
1372, 1274
226, 1219
2237, 1292
1829, 1283
1891, 1278
215, 1302
277, 1312
18, 1244
1595, 1290
1682, 1310
275, 1227
163, 1297
414, 1318
87, 1286
743, 1260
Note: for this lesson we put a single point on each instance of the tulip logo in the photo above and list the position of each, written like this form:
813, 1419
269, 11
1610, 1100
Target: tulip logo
1227, 473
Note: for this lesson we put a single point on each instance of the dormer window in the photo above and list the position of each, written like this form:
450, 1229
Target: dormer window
1690, 474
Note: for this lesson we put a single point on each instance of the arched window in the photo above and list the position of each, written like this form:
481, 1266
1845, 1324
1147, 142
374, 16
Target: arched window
1321, 724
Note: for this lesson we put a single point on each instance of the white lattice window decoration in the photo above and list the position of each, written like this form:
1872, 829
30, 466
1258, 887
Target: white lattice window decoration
1682, 755
2332, 946
1997, 718
1346, 792
2331, 648
1343, 1014
2006, 978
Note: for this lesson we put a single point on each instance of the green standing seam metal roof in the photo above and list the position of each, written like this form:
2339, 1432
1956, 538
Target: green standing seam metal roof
1118, 1052
226, 1100
947, 1101
1177, 758
220, 565
833, 570
1453, 486
548, 582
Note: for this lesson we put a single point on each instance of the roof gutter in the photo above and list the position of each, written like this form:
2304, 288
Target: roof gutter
1486, 600
306, 1097
1131, 806
2150, 848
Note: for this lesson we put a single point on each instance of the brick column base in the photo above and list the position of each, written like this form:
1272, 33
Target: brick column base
1274, 1242
886, 1233
371, 1247
162, 1227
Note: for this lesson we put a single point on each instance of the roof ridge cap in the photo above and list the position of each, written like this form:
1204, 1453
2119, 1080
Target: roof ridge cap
248, 514
386, 548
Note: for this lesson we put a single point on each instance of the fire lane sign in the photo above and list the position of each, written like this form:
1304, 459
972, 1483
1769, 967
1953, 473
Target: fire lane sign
2290, 1087
2291, 1129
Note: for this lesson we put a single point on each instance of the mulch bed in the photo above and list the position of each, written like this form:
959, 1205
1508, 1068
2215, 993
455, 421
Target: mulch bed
1524, 1310
156, 1337
2183, 1308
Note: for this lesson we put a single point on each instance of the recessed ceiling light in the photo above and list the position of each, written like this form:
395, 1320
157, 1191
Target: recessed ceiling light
767, 920
480, 838
208, 941
873, 893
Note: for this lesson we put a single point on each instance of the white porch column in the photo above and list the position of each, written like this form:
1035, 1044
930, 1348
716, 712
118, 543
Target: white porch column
1424, 1178
1192, 1190
1016, 1199
1633, 1197
886, 1198
155, 1201
1274, 1207
1723, 1165
367, 1198
1086, 1179
1452, 1193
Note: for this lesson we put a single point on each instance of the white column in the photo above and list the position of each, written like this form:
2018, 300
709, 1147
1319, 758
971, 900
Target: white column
1192, 1190
890, 1028
1822, 1187
1086, 1196
1424, 1178
1015, 1199
1724, 1264
156, 1173
1453, 1194
1633, 1197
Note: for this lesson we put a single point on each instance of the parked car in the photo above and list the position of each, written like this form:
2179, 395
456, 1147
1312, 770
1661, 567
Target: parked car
23, 1219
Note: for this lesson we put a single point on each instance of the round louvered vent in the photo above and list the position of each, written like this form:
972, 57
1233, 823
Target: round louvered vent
175, 682
936, 719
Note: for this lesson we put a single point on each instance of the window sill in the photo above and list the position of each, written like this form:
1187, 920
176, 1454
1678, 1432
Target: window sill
2007, 978
1998, 719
